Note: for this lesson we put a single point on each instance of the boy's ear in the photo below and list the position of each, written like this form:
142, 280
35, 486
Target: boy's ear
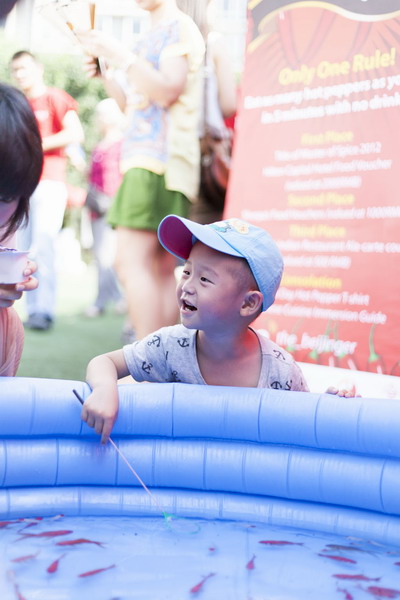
252, 303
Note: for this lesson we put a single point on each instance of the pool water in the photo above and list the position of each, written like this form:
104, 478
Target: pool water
110, 558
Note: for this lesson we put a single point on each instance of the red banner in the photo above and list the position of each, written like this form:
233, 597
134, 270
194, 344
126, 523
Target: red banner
317, 163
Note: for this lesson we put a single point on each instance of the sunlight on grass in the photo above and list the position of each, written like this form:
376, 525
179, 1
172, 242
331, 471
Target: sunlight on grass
64, 351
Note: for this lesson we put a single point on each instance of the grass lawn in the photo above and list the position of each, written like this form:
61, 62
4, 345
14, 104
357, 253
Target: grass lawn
64, 351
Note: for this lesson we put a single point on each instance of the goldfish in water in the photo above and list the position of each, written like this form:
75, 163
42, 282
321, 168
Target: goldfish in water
347, 595
54, 565
279, 543
344, 548
351, 577
79, 541
197, 588
250, 564
21, 559
96, 571
4, 524
381, 592
46, 534
339, 558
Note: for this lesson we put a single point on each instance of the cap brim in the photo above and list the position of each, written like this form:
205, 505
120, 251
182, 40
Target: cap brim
176, 235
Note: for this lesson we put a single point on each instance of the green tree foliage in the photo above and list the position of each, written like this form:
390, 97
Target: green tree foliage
63, 71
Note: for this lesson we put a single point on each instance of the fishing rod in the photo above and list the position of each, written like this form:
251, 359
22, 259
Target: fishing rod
126, 461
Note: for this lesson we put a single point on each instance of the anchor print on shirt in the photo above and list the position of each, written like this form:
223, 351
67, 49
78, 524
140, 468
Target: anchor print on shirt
174, 377
279, 354
155, 341
183, 342
147, 367
277, 385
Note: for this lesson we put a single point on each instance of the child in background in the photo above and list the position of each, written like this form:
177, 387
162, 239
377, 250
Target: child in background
104, 179
232, 272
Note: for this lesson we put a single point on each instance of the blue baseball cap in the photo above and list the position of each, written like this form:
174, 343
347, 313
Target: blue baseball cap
234, 237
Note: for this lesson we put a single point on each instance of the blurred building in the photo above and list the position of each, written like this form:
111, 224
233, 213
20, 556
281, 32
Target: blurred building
30, 27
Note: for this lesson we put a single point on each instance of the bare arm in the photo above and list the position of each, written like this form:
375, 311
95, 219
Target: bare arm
111, 86
114, 90
163, 86
71, 133
227, 88
101, 407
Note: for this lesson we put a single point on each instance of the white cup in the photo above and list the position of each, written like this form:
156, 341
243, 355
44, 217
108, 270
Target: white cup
12, 265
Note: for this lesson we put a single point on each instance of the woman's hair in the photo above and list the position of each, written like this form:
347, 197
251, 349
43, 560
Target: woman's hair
197, 10
6, 6
21, 155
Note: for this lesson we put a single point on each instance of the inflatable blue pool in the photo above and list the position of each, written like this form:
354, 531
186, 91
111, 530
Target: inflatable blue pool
254, 494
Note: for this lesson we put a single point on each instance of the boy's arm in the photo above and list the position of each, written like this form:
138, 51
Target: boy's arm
101, 407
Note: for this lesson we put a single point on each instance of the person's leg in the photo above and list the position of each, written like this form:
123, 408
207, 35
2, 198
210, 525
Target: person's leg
144, 268
166, 264
104, 244
47, 206
149, 296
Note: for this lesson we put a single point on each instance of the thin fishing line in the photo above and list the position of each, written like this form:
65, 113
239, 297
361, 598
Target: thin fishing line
166, 516
140, 480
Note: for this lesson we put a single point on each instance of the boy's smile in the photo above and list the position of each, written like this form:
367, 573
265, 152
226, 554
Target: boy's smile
187, 306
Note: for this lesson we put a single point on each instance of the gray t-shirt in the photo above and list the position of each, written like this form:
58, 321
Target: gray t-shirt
169, 354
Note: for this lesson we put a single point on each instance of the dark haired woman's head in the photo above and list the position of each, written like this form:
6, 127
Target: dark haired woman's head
21, 158
6, 6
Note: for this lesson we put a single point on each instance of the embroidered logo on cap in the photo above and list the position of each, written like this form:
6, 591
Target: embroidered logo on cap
231, 225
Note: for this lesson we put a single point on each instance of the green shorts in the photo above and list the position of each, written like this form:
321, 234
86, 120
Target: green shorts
142, 201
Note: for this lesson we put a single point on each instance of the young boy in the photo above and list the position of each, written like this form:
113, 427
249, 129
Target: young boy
231, 274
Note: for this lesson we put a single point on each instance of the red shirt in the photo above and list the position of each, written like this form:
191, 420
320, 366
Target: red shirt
50, 110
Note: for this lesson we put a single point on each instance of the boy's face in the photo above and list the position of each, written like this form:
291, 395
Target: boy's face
209, 294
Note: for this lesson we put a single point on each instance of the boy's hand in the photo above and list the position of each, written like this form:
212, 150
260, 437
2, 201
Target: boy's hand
101, 409
342, 393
